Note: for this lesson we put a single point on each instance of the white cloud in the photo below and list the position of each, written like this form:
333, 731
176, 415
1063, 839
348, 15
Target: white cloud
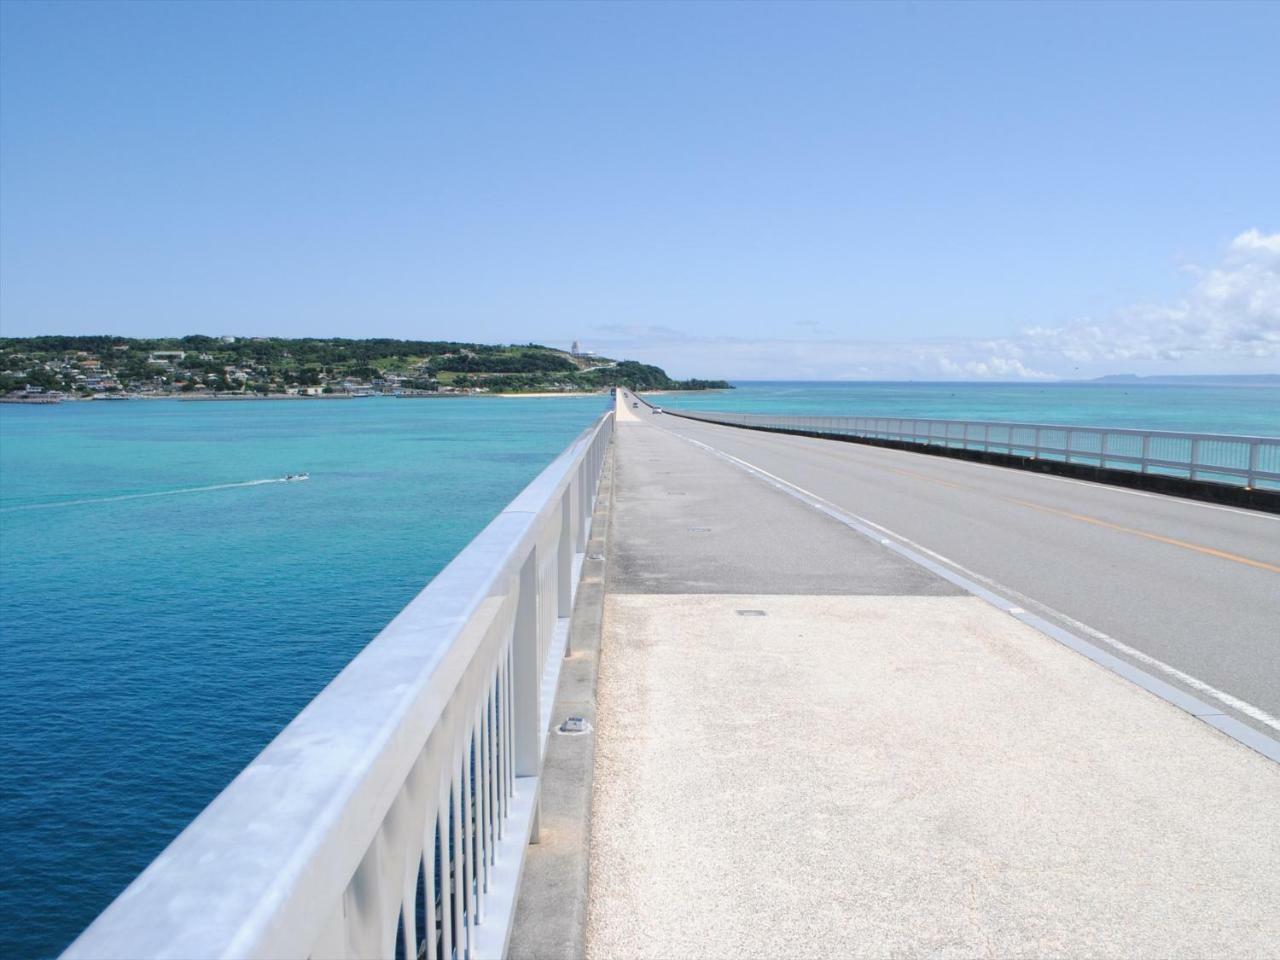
1228, 321
1255, 240
1231, 315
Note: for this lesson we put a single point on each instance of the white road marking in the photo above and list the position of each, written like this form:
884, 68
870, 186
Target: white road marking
1101, 487
1235, 703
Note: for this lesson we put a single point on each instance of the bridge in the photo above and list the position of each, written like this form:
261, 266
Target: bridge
704, 691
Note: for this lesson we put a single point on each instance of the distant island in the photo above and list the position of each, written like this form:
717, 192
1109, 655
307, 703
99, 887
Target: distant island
1184, 380
52, 368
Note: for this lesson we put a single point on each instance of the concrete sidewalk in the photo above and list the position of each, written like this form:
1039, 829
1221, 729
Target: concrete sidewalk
809, 746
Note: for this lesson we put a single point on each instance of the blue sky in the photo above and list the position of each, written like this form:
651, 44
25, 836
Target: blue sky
798, 190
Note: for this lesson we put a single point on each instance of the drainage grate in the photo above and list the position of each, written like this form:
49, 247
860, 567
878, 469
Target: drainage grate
574, 725
595, 556
699, 529
752, 613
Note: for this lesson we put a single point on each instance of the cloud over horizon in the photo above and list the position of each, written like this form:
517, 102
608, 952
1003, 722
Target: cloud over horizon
1227, 321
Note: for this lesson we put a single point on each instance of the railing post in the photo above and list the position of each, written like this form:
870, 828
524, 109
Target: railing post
458, 896
583, 508
1146, 453
528, 672
564, 557
1195, 458
1255, 453
469, 840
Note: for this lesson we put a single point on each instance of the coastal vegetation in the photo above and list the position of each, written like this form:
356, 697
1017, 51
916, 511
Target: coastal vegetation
272, 366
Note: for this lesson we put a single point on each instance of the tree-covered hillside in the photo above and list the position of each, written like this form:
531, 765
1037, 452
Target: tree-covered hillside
84, 366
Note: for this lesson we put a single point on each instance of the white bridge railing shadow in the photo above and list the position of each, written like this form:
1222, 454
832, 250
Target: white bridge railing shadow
391, 817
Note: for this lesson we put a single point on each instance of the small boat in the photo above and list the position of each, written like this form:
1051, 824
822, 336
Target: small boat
297, 476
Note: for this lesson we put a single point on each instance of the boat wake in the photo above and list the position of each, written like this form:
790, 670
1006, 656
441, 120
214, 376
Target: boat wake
144, 496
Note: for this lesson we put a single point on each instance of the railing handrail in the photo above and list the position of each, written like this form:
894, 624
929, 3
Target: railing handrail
1134, 431
261, 870
1153, 456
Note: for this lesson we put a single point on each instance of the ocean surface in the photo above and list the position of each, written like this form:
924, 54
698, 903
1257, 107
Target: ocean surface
1245, 409
166, 606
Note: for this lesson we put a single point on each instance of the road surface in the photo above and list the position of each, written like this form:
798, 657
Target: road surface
1185, 590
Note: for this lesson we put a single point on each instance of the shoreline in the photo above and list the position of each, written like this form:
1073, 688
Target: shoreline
548, 393
246, 398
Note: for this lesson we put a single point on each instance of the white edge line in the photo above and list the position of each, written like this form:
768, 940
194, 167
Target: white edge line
1093, 484
1238, 731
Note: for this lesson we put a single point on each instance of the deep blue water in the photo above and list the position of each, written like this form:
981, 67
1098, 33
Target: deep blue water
1203, 409
153, 645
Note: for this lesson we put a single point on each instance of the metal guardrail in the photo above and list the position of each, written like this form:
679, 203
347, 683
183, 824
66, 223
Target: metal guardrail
390, 818
1216, 458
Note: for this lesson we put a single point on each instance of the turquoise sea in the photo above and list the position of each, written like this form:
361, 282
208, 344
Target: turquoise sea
162, 615
1241, 409
163, 612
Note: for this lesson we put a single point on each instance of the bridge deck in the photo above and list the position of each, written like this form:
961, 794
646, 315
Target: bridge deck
809, 745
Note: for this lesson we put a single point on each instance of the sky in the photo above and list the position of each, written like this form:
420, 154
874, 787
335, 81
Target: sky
876, 191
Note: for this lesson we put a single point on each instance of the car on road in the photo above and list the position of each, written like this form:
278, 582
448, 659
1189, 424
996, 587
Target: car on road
657, 409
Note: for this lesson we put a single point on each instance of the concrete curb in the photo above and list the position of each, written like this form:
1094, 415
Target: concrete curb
551, 913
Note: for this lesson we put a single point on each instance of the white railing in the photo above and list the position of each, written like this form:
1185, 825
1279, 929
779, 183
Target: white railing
390, 818
1217, 458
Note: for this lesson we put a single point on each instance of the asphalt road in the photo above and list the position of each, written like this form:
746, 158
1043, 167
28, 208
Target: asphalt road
829, 748
1188, 591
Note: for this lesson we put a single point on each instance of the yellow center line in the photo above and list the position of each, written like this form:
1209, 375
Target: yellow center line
1083, 518
1198, 548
